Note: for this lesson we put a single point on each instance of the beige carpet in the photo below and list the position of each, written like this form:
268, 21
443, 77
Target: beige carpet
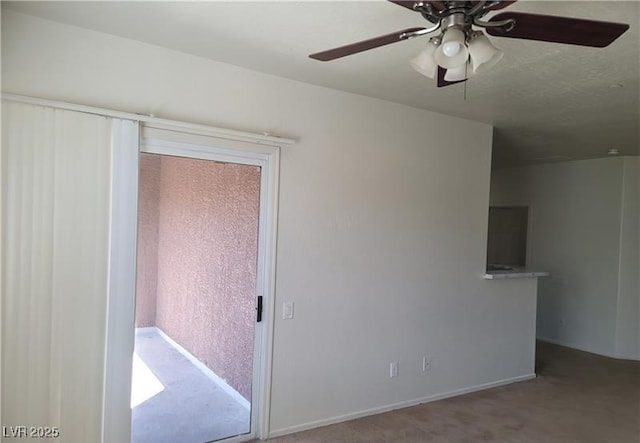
577, 397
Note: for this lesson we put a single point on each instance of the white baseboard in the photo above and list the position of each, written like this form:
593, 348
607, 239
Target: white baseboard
405, 404
591, 351
222, 384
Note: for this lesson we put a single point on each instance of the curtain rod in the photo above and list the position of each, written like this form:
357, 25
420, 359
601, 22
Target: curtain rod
156, 122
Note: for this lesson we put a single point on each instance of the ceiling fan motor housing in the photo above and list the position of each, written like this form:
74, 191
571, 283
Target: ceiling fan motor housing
456, 20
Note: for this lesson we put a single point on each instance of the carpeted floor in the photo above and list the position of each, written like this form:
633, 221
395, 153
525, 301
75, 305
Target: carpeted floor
190, 409
577, 397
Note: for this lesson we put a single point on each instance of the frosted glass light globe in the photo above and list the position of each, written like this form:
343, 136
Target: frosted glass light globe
483, 53
424, 62
452, 53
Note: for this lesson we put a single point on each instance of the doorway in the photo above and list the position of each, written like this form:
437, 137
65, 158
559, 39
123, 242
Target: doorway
195, 299
156, 136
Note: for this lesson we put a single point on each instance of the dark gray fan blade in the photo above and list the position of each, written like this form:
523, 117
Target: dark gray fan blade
354, 48
549, 28
442, 82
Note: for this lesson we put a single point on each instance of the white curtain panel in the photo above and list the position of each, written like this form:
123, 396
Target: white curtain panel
56, 243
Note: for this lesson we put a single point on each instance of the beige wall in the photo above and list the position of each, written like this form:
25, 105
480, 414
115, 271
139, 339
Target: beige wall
628, 313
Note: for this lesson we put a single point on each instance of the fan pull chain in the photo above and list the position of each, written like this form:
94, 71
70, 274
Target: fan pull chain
466, 76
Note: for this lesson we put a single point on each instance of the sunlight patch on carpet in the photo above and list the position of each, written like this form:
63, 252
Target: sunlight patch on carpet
144, 384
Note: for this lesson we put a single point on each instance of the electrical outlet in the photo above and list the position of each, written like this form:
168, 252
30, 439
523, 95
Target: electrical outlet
393, 369
426, 363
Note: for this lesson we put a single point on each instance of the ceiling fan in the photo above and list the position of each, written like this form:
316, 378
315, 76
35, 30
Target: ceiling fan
460, 50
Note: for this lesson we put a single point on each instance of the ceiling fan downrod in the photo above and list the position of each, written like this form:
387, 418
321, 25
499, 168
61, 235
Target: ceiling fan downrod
472, 11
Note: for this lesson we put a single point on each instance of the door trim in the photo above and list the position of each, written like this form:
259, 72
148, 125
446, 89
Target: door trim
156, 139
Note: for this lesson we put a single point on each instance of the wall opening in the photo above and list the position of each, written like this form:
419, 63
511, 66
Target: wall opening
195, 298
507, 238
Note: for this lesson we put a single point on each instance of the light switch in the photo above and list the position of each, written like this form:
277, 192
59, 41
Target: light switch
287, 310
393, 369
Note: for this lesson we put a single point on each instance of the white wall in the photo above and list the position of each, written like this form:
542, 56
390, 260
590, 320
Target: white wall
382, 221
628, 312
584, 230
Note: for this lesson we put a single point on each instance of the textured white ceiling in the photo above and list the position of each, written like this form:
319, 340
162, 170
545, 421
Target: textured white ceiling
548, 102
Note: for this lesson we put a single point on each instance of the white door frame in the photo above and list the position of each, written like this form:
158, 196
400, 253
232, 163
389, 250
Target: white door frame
157, 138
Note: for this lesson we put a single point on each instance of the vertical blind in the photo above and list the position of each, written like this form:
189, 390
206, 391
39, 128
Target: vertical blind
56, 203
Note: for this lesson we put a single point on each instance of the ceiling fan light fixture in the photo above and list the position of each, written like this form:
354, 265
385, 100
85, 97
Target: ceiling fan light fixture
424, 62
483, 54
453, 52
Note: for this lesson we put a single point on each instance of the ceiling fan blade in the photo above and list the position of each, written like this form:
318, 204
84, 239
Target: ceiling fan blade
549, 28
354, 48
442, 82
410, 4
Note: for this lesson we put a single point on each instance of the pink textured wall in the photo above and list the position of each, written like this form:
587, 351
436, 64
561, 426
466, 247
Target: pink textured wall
147, 271
206, 258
